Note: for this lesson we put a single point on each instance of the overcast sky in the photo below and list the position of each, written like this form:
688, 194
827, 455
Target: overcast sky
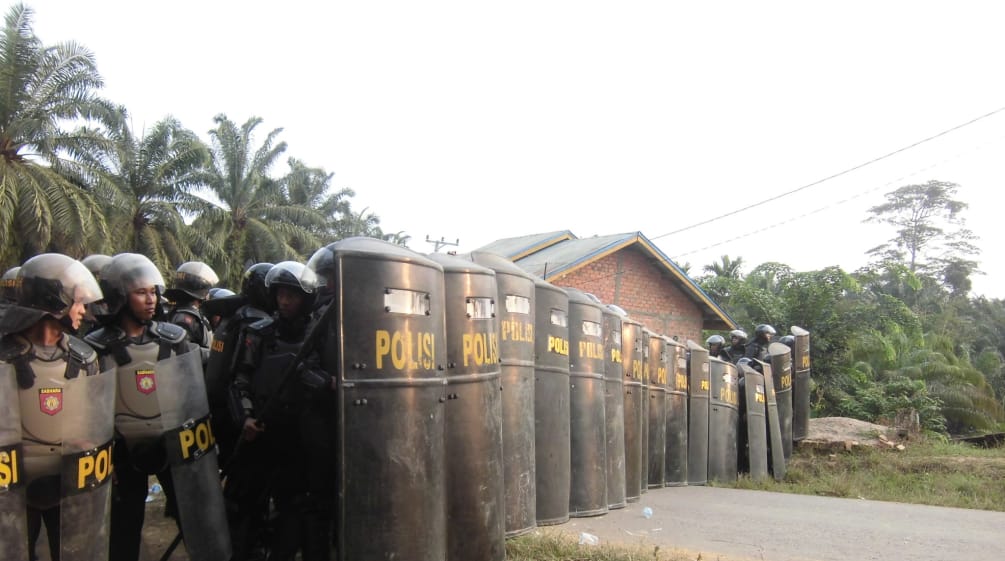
480, 121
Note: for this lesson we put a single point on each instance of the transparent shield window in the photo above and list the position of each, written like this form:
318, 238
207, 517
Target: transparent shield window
592, 329
411, 302
481, 308
517, 304
616, 335
559, 317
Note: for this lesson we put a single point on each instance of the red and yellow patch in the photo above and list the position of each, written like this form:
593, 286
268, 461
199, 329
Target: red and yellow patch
146, 383
50, 400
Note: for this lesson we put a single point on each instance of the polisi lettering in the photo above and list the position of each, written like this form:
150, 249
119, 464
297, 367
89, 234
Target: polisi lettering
196, 440
93, 468
681, 381
615, 355
705, 385
728, 395
558, 345
10, 466
661, 375
591, 349
637, 369
217, 346
411, 350
480, 348
516, 330
787, 381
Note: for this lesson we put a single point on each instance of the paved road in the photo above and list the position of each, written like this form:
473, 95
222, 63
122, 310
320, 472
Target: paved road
732, 524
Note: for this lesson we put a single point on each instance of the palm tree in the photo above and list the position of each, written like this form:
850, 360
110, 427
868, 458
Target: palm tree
141, 182
311, 188
251, 219
726, 268
42, 89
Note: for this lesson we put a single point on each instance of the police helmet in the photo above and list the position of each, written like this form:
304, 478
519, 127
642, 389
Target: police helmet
740, 334
745, 361
8, 284
253, 286
95, 263
788, 340
765, 330
322, 263
715, 340
219, 292
53, 282
194, 279
292, 274
123, 274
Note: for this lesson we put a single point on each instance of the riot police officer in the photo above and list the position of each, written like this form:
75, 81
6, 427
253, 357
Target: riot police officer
51, 381
217, 293
715, 345
189, 289
236, 313
758, 348
280, 420
158, 406
738, 346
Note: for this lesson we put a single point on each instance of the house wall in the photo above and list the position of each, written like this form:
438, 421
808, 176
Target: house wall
630, 279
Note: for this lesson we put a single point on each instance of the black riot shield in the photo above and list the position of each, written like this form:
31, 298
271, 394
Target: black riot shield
677, 414
614, 408
723, 421
88, 428
659, 367
698, 393
781, 370
473, 416
552, 445
646, 365
635, 395
755, 443
13, 525
515, 309
776, 456
588, 440
385, 344
191, 453
800, 384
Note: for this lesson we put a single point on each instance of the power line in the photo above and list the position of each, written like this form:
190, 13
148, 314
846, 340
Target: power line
774, 225
828, 178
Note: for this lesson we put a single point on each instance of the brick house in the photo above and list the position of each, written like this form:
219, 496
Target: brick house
622, 269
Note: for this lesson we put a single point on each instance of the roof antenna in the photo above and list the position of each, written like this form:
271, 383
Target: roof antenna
441, 243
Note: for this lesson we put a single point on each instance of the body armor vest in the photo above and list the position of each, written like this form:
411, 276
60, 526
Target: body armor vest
137, 409
274, 357
40, 392
202, 332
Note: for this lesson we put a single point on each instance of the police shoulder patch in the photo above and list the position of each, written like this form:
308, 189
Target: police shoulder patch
105, 337
13, 346
168, 331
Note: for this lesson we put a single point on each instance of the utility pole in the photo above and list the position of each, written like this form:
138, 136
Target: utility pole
440, 243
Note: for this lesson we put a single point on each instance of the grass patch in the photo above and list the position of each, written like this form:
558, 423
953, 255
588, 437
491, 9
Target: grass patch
928, 472
544, 545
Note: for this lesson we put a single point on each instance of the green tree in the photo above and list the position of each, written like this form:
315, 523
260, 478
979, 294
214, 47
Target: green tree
726, 268
311, 188
921, 214
142, 182
43, 90
252, 219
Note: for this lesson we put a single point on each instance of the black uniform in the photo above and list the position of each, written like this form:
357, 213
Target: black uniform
282, 462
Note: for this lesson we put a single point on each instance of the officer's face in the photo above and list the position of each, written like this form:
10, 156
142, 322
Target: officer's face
289, 302
76, 314
143, 302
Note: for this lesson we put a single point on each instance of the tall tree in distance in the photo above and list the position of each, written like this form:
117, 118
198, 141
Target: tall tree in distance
921, 215
726, 268
42, 90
